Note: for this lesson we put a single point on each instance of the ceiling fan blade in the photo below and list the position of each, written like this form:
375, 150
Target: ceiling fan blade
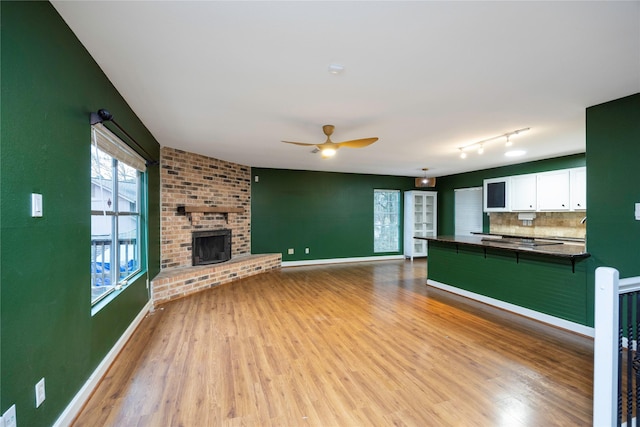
357, 143
300, 143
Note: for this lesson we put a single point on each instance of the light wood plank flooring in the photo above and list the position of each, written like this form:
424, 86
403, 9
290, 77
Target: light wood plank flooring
363, 344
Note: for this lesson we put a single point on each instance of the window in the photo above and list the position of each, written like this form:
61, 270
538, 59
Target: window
386, 223
116, 194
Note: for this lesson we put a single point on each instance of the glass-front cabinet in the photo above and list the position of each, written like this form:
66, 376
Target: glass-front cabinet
420, 219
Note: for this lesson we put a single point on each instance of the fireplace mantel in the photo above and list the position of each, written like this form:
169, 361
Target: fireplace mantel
209, 209
225, 210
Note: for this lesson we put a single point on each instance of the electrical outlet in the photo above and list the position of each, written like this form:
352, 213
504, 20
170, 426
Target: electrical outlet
306, 250
40, 393
9, 417
290, 251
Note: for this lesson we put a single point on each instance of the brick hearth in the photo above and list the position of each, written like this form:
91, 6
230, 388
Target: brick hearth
178, 282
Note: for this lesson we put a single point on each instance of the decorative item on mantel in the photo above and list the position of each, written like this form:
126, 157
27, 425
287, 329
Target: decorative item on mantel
225, 210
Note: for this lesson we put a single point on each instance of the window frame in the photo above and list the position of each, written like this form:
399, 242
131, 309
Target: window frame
120, 154
377, 228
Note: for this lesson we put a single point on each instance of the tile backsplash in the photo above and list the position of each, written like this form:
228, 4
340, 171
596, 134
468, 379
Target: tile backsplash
546, 224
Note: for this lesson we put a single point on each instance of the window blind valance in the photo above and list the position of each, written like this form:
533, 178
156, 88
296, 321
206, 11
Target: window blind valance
109, 142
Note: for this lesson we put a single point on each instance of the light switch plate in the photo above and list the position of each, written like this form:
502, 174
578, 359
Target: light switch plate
40, 393
36, 205
638, 211
9, 417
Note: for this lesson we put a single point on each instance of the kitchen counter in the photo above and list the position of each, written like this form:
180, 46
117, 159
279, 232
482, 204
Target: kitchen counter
543, 278
553, 247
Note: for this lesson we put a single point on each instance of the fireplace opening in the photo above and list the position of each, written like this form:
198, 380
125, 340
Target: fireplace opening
210, 247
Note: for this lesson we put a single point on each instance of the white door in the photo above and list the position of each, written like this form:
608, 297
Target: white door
468, 211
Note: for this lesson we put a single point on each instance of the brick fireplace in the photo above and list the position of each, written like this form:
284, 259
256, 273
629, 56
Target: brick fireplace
200, 193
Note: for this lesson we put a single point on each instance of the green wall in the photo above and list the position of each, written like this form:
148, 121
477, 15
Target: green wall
329, 213
613, 188
447, 184
49, 85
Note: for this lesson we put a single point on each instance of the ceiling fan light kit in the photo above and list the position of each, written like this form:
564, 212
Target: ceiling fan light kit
328, 152
328, 148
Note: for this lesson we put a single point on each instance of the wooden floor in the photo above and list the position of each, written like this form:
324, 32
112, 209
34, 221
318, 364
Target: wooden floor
363, 344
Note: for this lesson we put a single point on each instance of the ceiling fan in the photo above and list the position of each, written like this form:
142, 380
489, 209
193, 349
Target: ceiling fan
329, 148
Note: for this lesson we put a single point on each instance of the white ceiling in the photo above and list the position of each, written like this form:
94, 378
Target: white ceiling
230, 80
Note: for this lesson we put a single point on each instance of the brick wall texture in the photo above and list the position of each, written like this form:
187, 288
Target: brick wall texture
194, 180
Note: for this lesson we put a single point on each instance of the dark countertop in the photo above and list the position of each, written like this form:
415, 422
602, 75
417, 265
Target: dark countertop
571, 249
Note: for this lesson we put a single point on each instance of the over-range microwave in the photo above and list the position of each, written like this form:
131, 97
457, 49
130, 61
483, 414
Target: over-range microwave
496, 194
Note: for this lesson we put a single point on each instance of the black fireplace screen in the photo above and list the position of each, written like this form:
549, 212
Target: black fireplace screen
210, 247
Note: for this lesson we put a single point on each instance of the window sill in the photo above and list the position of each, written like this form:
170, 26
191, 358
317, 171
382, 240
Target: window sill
98, 306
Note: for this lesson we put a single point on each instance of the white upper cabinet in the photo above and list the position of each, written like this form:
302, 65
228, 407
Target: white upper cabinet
578, 177
496, 195
553, 190
523, 192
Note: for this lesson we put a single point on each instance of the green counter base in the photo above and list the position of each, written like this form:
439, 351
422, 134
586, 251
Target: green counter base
548, 286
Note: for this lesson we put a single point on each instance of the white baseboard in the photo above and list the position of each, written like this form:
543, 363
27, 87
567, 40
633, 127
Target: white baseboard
542, 317
77, 403
340, 260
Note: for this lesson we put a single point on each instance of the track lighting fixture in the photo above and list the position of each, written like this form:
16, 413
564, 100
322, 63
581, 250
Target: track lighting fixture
479, 146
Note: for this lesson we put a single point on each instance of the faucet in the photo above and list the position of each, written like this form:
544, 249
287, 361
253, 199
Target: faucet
583, 220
